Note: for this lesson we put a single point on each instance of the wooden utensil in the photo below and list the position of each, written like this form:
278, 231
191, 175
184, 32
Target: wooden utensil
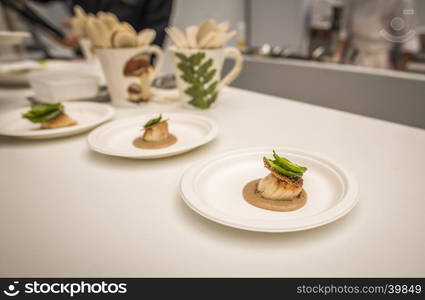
226, 37
175, 38
92, 32
109, 19
191, 32
146, 37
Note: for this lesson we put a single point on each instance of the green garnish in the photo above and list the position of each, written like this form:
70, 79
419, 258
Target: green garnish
284, 166
153, 121
43, 112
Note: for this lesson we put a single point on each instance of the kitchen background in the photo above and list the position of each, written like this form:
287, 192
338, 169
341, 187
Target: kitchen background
386, 94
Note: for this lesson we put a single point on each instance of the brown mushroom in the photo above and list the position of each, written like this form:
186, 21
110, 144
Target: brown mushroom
140, 67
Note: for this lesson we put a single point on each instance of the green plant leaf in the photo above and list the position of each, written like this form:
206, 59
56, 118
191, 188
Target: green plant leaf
182, 57
153, 121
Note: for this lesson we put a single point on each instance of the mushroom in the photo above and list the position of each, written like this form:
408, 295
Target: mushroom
140, 67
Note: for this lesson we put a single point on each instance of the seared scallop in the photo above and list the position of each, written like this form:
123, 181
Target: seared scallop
156, 132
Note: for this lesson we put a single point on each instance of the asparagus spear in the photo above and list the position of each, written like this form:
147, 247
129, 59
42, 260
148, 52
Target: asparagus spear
281, 170
286, 164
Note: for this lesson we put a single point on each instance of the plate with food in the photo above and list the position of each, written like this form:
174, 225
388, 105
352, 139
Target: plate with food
261, 189
153, 135
45, 121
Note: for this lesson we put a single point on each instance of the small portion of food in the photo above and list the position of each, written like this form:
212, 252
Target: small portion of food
155, 135
49, 115
285, 180
156, 130
281, 190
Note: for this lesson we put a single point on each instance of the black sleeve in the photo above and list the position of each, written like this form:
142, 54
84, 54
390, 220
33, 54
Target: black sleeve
156, 15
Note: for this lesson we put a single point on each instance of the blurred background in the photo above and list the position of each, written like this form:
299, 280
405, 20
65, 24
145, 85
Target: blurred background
361, 56
386, 34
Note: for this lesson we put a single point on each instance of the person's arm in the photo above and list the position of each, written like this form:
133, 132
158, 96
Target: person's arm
156, 15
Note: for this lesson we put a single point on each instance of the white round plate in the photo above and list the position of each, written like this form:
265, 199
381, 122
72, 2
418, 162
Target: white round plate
116, 138
87, 114
213, 188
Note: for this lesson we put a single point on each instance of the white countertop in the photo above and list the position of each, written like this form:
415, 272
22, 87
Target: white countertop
67, 211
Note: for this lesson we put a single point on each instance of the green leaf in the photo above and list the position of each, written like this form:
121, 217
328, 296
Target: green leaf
153, 121
182, 57
43, 112
209, 76
195, 59
205, 66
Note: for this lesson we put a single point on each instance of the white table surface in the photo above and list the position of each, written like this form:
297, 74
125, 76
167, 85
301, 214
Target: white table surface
67, 211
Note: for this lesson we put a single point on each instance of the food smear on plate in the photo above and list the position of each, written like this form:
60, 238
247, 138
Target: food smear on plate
50, 116
281, 190
155, 135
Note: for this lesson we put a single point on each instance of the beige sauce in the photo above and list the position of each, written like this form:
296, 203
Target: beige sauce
251, 196
142, 144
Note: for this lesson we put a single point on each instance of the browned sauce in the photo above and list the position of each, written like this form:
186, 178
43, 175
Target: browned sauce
251, 196
142, 144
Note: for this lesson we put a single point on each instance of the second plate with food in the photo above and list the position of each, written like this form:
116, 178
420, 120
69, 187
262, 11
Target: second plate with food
124, 137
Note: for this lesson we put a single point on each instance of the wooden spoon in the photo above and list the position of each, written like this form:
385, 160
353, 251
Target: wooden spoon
126, 26
205, 27
191, 32
180, 35
179, 40
78, 25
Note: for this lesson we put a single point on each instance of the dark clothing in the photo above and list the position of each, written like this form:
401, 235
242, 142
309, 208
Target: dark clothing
140, 14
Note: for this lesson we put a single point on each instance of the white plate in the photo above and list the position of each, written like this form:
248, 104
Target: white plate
87, 114
116, 138
213, 188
